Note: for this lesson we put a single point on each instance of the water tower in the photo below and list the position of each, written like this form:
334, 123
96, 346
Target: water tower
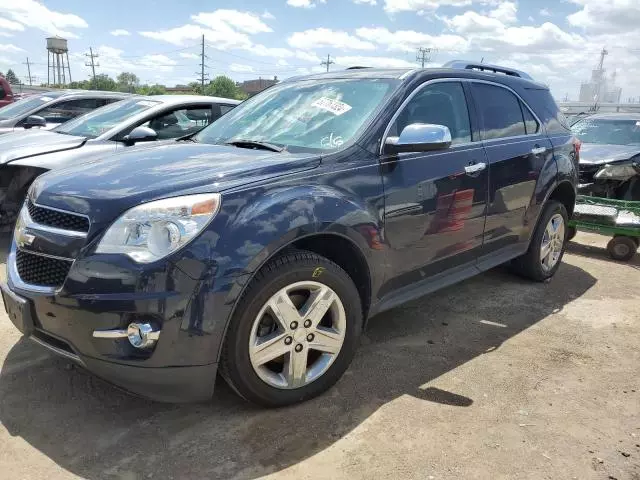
57, 51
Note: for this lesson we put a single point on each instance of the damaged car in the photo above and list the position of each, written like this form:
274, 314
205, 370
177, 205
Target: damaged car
610, 155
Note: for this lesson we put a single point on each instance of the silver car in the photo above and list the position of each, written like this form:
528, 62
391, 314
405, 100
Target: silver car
25, 155
50, 109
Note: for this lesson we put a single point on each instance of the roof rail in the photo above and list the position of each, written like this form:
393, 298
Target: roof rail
486, 67
356, 67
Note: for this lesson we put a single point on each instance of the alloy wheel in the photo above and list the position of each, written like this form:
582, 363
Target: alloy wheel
552, 242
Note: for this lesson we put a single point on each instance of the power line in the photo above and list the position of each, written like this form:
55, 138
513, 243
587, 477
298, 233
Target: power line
327, 62
29, 70
423, 56
92, 63
202, 66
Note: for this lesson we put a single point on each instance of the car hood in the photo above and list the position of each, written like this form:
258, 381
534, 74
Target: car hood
112, 184
597, 154
22, 144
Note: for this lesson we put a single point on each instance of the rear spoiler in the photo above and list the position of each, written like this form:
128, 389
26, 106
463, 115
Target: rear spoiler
486, 67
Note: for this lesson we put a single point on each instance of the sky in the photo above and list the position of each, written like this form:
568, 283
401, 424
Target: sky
558, 42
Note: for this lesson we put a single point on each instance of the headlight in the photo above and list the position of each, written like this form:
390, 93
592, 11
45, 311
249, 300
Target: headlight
153, 230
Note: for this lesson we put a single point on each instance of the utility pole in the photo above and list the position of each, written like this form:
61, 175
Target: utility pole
328, 62
29, 71
92, 64
424, 55
203, 76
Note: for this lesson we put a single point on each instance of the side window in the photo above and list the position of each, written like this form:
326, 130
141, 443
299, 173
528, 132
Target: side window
64, 111
2, 92
440, 104
178, 123
226, 109
500, 111
530, 123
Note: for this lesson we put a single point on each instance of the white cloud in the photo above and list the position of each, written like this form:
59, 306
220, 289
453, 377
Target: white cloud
606, 16
6, 34
304, 3
505, 12
190, 56
545, 12
31, 13
409, 40
473, 22
282, 62
267, 15
262, 51
325, 37
380, 62
113, 63
246, 22
393, 6
307, 56
9, 48
236, 67
120, 33
366, 2
9, 25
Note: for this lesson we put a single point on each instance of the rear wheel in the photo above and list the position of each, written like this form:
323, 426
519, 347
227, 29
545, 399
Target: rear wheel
547, 244
294, 332
622, 248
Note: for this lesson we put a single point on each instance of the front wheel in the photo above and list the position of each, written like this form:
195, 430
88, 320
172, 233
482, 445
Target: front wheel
547, 244
294, 332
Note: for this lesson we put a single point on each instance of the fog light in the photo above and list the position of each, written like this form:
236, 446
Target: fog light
142, 335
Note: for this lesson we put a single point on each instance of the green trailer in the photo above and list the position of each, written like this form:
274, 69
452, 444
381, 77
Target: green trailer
619, 219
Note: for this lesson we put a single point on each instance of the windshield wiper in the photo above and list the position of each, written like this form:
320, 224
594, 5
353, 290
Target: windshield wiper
255, 144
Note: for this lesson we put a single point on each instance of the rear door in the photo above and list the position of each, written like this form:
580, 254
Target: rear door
434, 209
516, 149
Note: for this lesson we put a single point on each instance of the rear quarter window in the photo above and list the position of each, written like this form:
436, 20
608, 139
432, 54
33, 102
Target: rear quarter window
547, 110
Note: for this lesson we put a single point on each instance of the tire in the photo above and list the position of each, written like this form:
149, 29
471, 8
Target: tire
271, 383
571, 233
622, 248
530, 265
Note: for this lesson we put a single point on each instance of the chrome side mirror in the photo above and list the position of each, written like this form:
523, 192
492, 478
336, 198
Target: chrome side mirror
419, 137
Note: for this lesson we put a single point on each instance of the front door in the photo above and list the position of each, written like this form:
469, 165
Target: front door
434, 209
517, 150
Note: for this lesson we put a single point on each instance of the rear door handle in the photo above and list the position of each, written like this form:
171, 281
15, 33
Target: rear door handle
475, 167
538, 150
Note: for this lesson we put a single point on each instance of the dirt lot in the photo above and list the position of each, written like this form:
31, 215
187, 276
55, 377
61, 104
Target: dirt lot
494, 378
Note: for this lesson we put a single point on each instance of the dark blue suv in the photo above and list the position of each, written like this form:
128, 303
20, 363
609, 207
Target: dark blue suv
260, 246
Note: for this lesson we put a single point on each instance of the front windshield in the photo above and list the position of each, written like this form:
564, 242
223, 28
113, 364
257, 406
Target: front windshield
612, 132
304, 115
25, 105
95, 123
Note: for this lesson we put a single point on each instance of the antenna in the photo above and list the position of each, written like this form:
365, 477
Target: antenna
328, 62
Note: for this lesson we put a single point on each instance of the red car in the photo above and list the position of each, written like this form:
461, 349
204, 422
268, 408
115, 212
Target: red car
6, 95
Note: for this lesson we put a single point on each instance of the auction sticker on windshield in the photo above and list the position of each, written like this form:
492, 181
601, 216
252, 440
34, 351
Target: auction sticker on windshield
334, 106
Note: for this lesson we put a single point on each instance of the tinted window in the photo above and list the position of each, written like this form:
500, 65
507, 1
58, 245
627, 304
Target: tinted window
500, 111
530, 123
2, 92
547, 110
225, 109
25, 105
439, 104
65, 111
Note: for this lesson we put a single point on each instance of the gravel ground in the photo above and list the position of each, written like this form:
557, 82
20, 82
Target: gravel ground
493, 378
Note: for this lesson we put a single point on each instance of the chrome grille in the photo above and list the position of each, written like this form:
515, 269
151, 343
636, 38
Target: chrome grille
57, 219
40, 270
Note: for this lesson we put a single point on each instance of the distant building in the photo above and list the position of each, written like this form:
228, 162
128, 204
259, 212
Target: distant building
251, 87
180, 89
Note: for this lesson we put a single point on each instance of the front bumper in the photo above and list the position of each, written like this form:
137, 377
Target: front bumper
191, 316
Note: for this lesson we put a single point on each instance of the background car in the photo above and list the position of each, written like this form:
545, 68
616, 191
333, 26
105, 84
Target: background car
610, 155
6, 95
48, 110
25, 155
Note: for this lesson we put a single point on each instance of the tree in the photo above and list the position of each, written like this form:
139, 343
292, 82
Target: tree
12, 78
222, 86
196, 87
127, 82
104, 82
151, 90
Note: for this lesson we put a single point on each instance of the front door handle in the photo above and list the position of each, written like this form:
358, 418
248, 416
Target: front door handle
475, 168
538, 150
